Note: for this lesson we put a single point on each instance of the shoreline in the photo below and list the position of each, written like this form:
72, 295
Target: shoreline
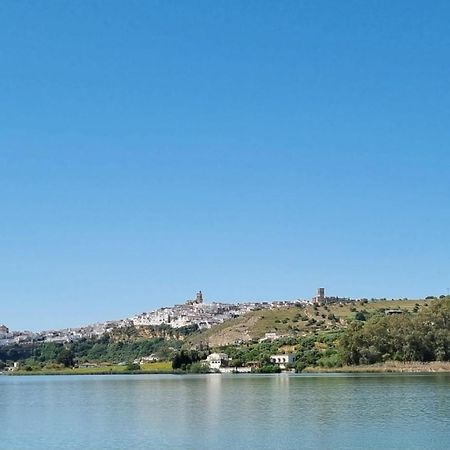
71, 374
386, 367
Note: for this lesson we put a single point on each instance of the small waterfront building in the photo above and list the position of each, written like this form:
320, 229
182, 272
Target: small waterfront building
245, 369
282, 361
217, 360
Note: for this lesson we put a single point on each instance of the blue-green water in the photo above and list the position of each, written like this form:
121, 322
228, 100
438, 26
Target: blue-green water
232, 411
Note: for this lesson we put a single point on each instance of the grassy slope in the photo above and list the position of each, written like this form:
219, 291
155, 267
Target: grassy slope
287, 321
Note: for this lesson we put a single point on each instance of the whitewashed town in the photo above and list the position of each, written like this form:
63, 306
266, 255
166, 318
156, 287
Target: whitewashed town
195, 312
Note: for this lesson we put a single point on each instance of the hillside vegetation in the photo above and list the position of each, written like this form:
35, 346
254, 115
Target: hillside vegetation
424, 336
295, 321
324, 337
360, 335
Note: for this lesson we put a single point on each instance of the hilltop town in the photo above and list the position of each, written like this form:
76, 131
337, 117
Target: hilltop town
192, 313
324, 332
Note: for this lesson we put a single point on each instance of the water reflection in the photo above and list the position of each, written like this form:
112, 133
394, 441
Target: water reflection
216, 411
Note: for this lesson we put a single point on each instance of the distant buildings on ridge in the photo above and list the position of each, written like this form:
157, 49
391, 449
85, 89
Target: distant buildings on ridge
191, 313
321, 299
198, 299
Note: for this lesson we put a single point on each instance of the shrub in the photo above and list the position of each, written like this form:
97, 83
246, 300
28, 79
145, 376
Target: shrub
132, 367
268, 368
330, 361
198, 367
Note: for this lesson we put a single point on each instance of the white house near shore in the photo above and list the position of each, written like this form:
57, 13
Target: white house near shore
283, 360
217, 360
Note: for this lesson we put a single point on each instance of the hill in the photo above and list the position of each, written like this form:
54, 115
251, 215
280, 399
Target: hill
331, 335
296, 321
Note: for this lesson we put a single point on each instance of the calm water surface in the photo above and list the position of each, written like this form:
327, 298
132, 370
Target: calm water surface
232, 411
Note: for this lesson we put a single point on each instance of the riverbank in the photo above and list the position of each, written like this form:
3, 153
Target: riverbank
387, 367
166, 368
146, 369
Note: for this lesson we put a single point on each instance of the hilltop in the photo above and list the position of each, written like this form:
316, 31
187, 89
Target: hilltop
191, 315
327, 335
220, 323
299, 320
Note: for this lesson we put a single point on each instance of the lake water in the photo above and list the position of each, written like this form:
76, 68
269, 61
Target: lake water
392, 411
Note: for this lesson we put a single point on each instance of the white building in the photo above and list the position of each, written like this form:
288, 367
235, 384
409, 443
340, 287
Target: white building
283, 360
147, 359
217, 360
269, 337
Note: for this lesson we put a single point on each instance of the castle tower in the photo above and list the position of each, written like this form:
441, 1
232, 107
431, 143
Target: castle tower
199, 297
321, 293
320, 297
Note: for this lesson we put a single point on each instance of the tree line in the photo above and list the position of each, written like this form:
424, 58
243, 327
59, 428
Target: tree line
103, 349
420, 335
424, 336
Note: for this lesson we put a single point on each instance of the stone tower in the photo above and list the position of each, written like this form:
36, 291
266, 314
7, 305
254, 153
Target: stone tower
199, 297
320, 297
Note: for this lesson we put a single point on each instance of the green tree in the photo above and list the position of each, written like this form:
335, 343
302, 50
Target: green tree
132, 367
65, 357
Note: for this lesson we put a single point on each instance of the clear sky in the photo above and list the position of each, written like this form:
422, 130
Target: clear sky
251, 149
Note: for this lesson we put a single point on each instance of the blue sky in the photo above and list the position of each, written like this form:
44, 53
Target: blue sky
254, 150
